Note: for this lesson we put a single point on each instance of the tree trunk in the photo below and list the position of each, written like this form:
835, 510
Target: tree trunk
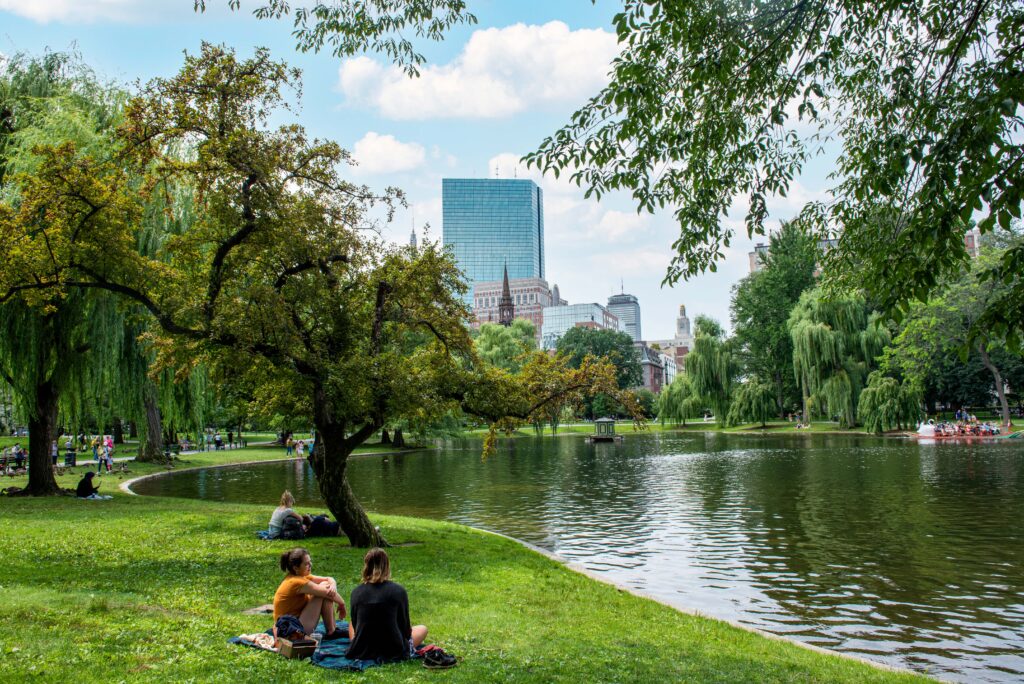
779, 402
150, 450
803, 394
385, 438
118, 431
998, 378
399, 440
329, 460
133, 429
42, 431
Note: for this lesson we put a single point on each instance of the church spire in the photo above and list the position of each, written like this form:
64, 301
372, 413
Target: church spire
506, 309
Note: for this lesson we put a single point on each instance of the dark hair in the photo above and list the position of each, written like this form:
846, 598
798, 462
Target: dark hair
376, 566
292, 559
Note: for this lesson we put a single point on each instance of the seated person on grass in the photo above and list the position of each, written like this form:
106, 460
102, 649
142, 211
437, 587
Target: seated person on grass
281, 513
379, 624
86, 489
307, 597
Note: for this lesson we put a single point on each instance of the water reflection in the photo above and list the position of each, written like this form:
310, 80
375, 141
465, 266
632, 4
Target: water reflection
905, 553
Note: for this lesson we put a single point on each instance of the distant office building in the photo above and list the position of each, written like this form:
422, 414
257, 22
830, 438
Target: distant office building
559, 319
972, 241
493, 223
757, 257
677, 347
652, 368
668, 362
626, 308
530, 296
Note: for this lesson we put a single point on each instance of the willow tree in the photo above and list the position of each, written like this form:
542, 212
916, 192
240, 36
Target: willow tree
277, 276
53, 349
887, 403
835, 343
711, 367
678, 401
753, 401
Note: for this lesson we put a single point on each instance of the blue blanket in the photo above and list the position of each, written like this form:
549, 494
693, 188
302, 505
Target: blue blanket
330, 654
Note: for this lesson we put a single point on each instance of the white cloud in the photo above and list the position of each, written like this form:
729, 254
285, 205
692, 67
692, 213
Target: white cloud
386, 154
619, 226
500, 72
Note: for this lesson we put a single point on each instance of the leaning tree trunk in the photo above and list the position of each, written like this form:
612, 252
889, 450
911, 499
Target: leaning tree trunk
998, 378
42, 431
329, 459
149, 445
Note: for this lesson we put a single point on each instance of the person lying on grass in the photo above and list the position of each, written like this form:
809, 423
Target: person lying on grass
379, 624
307, 597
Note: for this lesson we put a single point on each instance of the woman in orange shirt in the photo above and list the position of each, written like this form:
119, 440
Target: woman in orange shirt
306, 596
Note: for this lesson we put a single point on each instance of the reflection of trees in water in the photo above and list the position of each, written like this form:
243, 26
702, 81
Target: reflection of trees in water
853, 529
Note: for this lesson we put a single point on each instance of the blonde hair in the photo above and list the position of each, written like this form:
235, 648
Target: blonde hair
287, 500
376, 566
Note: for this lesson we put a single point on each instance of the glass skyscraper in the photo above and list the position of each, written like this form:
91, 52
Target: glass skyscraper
493, 223
627, 308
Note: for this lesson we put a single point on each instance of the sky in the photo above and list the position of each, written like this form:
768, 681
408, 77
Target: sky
489, 94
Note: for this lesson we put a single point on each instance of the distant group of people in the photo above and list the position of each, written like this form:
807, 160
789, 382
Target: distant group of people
299, 447
379, 625
970, 428
13, 460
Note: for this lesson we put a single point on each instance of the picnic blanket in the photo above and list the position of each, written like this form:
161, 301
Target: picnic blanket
329, 654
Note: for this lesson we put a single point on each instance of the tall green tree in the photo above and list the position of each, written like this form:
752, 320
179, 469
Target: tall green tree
618, 347
678, 401
60, 351
836, 341
711, 366
506, 347
944, 330
753, 401
886, 403
709, 102
761, 304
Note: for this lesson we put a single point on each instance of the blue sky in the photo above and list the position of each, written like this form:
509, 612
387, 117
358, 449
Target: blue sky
489, 94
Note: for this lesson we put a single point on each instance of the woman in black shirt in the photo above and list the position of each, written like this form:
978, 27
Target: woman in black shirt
379, 614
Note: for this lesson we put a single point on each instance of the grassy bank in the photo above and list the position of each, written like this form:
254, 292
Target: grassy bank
148, 589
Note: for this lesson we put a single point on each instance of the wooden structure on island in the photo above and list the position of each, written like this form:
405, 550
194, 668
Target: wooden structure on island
604, 431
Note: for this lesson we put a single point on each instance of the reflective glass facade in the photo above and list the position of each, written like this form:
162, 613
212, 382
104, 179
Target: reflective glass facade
627, 308
491, 223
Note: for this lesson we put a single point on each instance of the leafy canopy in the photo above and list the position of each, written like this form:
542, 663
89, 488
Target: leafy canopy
709, 103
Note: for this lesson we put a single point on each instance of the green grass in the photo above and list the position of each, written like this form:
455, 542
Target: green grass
149, 589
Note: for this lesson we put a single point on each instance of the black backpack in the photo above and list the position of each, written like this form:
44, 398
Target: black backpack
292, 528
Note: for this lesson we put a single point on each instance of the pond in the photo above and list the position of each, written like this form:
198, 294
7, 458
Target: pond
908, 554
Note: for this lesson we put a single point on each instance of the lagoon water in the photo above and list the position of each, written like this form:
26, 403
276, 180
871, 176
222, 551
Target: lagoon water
908, 554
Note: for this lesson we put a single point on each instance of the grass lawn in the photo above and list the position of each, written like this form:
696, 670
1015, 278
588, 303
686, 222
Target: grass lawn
149, 589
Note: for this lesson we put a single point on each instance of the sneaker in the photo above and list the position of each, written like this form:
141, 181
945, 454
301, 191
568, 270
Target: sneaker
437, 659
336, 634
